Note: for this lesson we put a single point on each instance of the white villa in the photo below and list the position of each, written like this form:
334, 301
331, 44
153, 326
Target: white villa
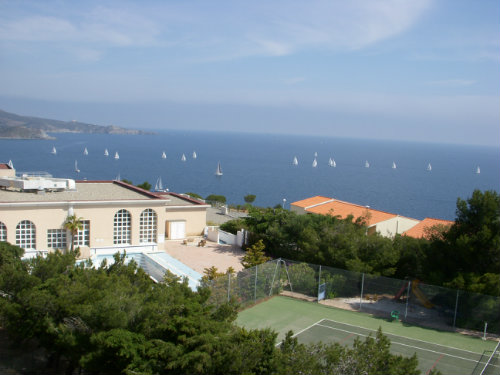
35, 206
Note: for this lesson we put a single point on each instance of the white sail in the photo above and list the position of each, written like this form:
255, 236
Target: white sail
315, 163
163, 155
334, 164
10, 164
117, 156
315, 154
159, 186
194, 155
106, 153
393, 165
118, 178
218, 171
295, 161
76, 167
54, 151
429, 167
183, 157
85, 152
331, 163
478, 170
367, 165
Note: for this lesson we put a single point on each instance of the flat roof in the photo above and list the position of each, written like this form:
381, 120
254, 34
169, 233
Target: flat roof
95, 191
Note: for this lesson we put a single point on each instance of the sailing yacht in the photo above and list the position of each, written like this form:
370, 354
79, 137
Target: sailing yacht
194, 155
159, 185
429, 167
85, 152
218, 171
295, 161
367, 165
315, 163
106, 153
478, 170
393, 165
163, 155
54, 151
117, 156
10, 164
332, 163
183, 157
76, 167
118, 178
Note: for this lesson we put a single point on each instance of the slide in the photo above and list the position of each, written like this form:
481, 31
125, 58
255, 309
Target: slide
398, 295
422, 298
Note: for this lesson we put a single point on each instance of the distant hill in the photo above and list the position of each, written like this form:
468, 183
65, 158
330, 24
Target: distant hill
25, 127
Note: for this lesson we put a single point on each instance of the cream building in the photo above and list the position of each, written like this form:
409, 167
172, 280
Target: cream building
34, 208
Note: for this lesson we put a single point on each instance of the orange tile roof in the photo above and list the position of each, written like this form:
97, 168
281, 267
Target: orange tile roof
311, 201
344, 209
420, 230
4, 166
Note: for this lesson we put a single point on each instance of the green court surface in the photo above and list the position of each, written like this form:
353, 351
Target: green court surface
449, 352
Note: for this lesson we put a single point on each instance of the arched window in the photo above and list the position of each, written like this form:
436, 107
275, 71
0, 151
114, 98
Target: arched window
3, 232
26, 235
121, 227
147, 226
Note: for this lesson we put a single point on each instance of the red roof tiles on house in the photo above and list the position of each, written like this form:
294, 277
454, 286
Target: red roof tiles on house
344, 209
311, 201
421, 229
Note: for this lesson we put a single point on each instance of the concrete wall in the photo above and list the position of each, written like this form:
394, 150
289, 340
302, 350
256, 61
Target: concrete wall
298, 210
395, 225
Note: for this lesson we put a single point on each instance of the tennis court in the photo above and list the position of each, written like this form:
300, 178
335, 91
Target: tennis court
449, 352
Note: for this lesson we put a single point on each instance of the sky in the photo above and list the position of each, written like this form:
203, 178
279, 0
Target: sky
419, 70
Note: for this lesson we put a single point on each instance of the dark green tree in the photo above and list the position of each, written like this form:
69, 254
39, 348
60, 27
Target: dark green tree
254, 255
250, 198
145, 185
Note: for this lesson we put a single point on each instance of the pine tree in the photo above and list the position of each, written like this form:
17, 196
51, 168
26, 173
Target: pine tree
255, 255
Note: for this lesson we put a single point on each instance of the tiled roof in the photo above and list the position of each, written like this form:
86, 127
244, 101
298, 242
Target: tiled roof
344, 209
311, 201
420, 230
4, 166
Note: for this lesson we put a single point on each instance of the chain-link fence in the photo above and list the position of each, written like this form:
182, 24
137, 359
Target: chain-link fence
413, 301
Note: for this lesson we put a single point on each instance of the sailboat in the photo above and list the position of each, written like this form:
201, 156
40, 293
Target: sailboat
194, 155
163, 155
118, 178
429, 167
218, 171
106, 153
315, 154
367, 165
295, 161
10, 164
393, 165
478, 170
76, 167
117, 156
332, 163
183, 157
159, 185
54, 151
85, 152
315, 163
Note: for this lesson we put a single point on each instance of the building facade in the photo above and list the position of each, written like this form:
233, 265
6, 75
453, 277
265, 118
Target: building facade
34, 208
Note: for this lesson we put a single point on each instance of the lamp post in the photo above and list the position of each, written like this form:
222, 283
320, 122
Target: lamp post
284, 201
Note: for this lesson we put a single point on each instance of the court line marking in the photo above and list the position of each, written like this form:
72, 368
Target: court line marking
303, 330
409, 338
400, 343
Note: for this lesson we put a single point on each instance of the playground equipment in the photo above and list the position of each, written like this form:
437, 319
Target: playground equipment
421, 296
417, 292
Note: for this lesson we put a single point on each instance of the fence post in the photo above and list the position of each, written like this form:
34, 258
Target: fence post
319, 280
456, 308
228, 287
255, 286
362, 286
407, 298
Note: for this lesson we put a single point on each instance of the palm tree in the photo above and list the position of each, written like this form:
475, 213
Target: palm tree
73, 224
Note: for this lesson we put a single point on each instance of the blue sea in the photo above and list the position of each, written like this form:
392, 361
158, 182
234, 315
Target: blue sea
262, 165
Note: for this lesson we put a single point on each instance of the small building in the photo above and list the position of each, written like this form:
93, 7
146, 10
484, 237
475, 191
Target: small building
384, 223
114, 214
